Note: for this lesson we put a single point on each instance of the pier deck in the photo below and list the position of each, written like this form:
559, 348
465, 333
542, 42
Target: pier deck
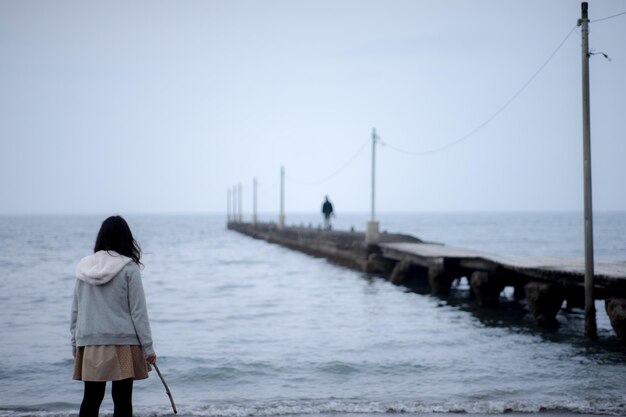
428, 254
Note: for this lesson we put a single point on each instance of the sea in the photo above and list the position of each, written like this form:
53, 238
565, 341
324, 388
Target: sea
243, 327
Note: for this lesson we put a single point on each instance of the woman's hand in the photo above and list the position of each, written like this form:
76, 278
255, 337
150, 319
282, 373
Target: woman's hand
151, 358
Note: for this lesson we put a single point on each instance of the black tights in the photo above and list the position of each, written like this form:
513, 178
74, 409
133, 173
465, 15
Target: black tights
122, 393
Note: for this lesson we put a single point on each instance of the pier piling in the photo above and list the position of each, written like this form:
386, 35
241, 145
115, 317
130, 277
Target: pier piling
487, 288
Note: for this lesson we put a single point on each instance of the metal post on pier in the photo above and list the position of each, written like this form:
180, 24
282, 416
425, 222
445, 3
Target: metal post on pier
281, 216
591, 331
228, 218
240, 215
254, 216
371, 234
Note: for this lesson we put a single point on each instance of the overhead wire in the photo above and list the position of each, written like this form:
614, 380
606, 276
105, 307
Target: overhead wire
334, 173
494, 115
462, 138
607, 18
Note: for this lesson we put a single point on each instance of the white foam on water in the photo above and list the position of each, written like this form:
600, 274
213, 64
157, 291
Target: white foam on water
339, 407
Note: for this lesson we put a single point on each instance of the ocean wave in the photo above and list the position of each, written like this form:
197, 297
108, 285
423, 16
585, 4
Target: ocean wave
286, 408
338, 407
203, 371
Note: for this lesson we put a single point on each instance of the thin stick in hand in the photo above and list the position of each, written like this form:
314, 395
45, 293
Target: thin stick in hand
167, 390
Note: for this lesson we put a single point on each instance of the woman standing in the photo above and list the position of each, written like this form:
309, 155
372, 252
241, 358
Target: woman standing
111, 337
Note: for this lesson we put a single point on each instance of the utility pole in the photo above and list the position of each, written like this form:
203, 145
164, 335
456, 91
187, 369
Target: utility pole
373, 174
233, 193
228, 206
371, 234
254, 185
235, 217
240, 198
281, 217
590, 309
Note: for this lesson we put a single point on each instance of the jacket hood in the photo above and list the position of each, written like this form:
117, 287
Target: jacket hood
101, 267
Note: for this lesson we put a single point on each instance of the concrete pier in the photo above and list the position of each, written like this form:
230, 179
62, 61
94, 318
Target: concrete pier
345, 248
545, 283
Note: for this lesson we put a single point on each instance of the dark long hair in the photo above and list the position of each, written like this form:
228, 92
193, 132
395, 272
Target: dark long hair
115, 235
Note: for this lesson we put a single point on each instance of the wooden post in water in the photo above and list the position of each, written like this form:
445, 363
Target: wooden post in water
371, 233
281, 216
254, 217
590, 309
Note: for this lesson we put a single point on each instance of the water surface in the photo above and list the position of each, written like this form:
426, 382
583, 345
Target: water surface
247, 328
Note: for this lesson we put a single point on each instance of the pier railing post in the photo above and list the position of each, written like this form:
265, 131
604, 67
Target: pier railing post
590, 309
371, 233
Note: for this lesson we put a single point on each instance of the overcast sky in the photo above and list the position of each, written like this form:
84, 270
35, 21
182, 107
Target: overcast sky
161, 106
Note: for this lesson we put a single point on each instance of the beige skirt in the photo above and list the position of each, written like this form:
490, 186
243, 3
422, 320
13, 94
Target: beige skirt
110, 363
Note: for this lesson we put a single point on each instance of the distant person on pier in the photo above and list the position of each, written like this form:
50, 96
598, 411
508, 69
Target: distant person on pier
327, 211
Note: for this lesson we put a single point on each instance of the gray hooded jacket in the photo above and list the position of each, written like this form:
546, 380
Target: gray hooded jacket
109, 306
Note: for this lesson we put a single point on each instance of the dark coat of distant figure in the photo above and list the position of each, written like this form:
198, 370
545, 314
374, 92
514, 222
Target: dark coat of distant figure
327, 210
